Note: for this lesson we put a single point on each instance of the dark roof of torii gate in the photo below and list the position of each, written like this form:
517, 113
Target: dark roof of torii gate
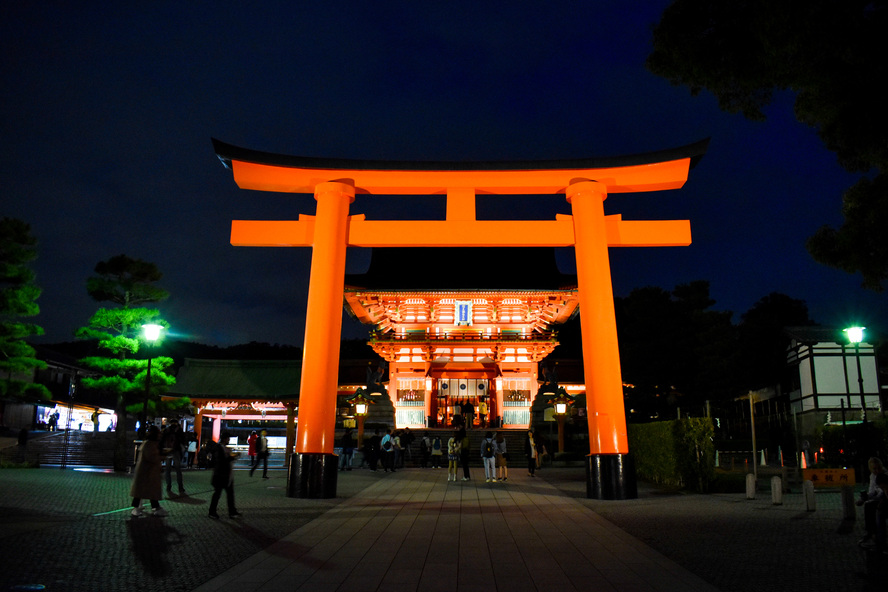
228, 152
462, 268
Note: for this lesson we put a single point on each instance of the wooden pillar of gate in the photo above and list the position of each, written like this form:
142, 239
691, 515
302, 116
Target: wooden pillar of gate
313, 468
608, 470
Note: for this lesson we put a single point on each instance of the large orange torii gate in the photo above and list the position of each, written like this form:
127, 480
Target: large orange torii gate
585, 183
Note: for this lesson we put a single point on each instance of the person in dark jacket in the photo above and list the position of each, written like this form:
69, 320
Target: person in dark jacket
347, 443
223, 477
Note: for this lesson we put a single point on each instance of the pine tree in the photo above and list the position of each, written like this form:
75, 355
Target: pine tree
18, 300
128, 283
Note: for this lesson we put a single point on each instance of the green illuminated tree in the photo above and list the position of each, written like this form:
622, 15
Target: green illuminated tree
18, 301
831, 55
128, 283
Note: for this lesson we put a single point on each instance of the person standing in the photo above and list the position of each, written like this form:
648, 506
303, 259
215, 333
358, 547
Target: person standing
173, 442
468, 411
95, 420
192, 450
385, 449
464, 450
148, 479
425, 450
407, 438
487, 457
482, 413
397, 451
223, 477
371, 450
453, 445
347, 444
437, 452
500, 452
530, 450
456, 420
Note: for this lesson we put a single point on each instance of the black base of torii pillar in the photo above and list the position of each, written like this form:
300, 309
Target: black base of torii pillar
610, 477
312, 475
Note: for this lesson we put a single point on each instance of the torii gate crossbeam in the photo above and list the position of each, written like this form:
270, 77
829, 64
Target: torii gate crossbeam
585, 183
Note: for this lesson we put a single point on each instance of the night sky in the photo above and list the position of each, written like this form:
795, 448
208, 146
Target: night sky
108, 112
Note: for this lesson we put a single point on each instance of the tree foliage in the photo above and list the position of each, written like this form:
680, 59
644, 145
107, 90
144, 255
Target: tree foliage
126, 282
18, 301
674, 349
763, 339
831, 55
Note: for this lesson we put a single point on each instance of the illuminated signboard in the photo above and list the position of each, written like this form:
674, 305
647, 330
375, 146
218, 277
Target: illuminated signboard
463, 312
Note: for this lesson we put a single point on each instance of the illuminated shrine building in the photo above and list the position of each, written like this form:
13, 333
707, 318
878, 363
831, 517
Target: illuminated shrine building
459, 325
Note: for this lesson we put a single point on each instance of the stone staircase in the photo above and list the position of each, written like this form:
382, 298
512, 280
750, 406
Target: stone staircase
72, 448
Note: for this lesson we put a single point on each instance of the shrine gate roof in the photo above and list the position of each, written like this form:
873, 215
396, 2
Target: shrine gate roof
650, 171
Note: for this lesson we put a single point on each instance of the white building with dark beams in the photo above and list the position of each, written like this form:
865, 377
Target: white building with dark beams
829, 374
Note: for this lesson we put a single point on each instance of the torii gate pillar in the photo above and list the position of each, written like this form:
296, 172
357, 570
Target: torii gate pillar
313, 466
609, 476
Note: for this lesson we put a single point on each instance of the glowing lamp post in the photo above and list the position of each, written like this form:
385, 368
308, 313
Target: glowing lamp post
151, 332
560, 402
362, 405
855, 336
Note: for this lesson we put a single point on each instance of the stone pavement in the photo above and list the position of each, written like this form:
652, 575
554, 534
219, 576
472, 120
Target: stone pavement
412, 530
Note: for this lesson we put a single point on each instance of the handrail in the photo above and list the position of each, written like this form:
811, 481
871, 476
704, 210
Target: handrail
462, 336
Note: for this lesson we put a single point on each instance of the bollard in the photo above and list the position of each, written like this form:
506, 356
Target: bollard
808, 489
776, 491
750, 486
848, 511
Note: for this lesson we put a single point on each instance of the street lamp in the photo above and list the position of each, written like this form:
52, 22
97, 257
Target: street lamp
151, 332
362, 405
560, 402
855, 336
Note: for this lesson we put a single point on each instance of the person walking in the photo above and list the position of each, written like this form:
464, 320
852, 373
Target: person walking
437, 452
530, 450
347, 444
482, 413
453, 445
261, 454
148, 479
500, 452
487, 457
251, 450
223, 477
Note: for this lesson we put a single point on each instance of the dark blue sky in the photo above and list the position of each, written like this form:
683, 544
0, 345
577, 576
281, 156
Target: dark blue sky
107, 114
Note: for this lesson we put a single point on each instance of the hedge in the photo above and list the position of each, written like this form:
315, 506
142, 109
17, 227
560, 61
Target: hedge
678, 453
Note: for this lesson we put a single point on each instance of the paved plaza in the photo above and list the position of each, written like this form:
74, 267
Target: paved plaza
70, 530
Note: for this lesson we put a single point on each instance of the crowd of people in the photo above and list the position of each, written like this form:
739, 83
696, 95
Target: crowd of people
390, 451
